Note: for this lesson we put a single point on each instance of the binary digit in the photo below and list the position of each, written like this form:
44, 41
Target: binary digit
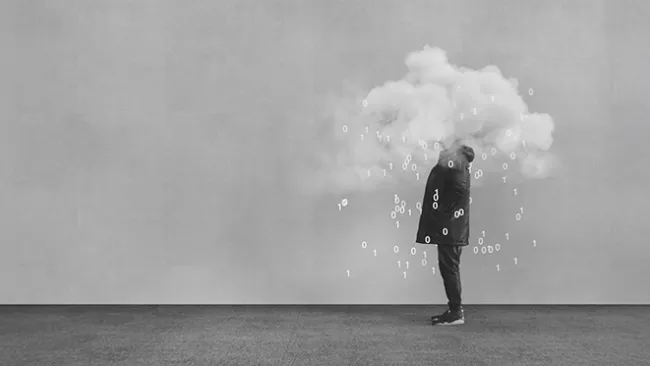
484, 156
399, 264
345, 128
498, 268
505, 166
348, 271
427, 239
375, 252
435, 205
480, 241
396, 249
531, 91
514, 191
407, 264
475, 250
450, 164
393, 215
413, 251
497, 247
518, 216
424, 262
515, 260
365, 104
445, 231
364, 245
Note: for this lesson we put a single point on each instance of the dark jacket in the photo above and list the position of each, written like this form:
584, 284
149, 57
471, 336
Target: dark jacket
448, 223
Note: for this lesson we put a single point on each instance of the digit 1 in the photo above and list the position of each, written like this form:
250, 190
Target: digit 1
504, 179
409, 212
375, 251
407, 264
399, 264
534, 243
483, 232
339, 207
348, 272
515, 261
404, 275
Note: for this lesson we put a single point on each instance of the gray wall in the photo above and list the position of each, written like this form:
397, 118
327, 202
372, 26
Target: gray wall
165, 151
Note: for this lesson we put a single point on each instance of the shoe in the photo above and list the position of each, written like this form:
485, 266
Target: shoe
449, 317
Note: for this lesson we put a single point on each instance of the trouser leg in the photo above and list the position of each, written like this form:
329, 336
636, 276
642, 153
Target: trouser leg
449, 264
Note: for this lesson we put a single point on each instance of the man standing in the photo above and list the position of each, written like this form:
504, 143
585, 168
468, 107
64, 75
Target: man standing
444, 222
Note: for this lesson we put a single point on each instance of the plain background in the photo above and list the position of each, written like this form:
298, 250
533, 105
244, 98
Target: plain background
145, 155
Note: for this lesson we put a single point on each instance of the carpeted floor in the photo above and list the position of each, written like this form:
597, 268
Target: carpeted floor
322, 335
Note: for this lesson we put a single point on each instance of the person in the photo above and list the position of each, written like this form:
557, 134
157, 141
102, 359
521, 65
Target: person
444, 221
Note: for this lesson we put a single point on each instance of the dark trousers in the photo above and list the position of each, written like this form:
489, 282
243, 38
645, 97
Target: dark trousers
449, 264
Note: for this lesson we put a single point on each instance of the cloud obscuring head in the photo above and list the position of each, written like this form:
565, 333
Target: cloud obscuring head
398, 129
